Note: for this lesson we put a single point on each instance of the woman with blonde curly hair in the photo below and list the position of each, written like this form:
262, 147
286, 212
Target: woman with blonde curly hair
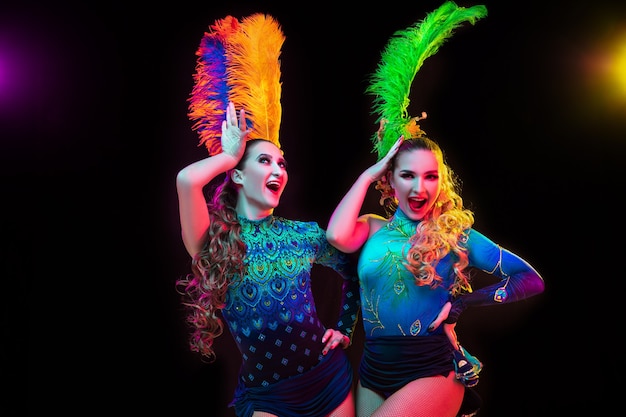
414, 272
415, 264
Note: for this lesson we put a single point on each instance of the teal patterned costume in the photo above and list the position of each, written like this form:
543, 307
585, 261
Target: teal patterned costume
272, 317
399, 347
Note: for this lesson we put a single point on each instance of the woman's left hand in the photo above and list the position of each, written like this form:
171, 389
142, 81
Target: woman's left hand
376, 171
443, 314
334, 338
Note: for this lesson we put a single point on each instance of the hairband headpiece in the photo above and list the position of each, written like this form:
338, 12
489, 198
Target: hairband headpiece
238, 61
402, 57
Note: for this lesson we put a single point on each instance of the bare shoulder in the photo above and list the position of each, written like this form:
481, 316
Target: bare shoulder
375, 222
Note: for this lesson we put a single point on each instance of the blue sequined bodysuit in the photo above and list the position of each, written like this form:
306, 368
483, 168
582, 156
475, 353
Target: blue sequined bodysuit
392, 304
396, 312
271, 313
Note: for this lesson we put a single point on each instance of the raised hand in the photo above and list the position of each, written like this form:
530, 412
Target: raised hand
379, 168
234, 133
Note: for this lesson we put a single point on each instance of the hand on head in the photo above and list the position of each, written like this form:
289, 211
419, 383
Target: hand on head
234, 133
376, 171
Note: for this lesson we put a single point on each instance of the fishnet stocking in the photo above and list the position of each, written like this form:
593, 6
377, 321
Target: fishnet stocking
367, 401
346, 409
425, 397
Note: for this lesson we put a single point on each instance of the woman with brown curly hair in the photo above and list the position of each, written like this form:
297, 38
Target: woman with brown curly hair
254, 268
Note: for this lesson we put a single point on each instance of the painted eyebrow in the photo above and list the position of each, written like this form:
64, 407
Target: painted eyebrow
409, 171
269, 156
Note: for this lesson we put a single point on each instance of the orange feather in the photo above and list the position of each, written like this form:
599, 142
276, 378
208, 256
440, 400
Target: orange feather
253, 55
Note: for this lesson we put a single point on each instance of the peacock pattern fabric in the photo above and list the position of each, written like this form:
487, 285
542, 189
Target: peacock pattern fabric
271, 312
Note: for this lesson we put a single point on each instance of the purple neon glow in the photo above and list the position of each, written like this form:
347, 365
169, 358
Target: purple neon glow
33, 85
57, 82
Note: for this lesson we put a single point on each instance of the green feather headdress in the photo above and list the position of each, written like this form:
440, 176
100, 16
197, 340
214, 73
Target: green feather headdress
402, 57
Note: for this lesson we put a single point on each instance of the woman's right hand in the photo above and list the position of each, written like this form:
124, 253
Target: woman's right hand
234, 134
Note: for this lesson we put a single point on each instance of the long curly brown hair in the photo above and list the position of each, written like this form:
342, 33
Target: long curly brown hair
445, 228
220, 261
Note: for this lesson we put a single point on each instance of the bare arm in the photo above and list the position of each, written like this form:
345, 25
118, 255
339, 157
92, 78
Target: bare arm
191, 180
346, 230
192, 205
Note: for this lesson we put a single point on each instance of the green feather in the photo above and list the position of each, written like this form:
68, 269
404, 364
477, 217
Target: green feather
402, 57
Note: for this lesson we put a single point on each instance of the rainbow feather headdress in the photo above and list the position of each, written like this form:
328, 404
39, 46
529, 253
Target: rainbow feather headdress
402, 57
238, 61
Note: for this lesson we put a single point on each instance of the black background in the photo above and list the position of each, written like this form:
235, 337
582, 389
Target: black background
93, 129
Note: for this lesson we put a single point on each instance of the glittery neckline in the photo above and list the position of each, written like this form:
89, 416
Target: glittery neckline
247, 220
400, 220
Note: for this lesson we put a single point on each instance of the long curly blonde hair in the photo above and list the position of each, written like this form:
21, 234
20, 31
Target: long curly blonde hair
443, 230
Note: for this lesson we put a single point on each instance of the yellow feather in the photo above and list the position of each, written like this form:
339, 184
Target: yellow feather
254, 74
